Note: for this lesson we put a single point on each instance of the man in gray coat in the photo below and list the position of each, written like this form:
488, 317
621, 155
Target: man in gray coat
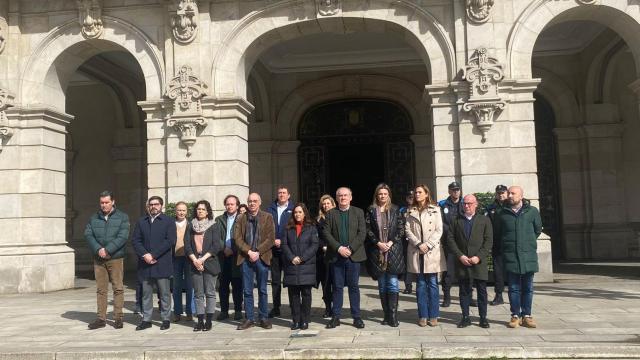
469, 240
106, 234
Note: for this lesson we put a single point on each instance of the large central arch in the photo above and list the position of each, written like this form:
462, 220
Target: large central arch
290, 19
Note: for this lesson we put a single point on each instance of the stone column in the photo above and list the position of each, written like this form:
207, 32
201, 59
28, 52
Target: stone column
603, 140
285, 161
211, 165
445, 137
34, 255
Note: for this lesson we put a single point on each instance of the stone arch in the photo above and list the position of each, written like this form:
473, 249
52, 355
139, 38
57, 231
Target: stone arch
327, 89
51, 65
290, 19
621, 16
561, 98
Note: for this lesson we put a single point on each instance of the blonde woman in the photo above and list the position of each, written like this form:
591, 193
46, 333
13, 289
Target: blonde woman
323, 273
385, 255
425, 253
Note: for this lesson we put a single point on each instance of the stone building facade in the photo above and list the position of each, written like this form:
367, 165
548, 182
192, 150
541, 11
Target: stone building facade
192, 99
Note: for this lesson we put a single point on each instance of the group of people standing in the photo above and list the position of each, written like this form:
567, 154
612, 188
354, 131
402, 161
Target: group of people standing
240, 250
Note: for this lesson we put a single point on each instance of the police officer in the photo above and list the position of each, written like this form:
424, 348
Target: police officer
451, 208
500, 200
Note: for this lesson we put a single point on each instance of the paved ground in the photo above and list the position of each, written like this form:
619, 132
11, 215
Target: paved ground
591, 311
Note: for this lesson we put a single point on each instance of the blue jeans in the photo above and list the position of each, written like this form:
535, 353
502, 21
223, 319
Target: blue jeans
260, 271
346, 271
428, 296
182, 281
388, 283
520, 293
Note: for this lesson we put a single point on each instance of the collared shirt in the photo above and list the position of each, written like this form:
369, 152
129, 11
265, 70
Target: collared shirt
152, 218
468, 225
230, 220
517, 210
281, 210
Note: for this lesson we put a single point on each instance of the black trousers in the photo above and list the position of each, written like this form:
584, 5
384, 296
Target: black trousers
498, 273
276, 279
323, 272
465, 296
226, 279
300, 303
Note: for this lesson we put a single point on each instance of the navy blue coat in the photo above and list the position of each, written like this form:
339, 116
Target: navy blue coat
159, 240
305, 246
280, 226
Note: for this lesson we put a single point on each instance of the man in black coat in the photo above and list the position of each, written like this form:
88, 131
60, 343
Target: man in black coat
154, 238
345, 231
469, 241
451, 208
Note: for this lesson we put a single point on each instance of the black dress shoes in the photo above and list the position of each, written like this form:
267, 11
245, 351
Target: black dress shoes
274, 312
165, 325
237, 315
295, 326
222, 316
497, 300
464, 322
143, 325
265, 324
358, 323
327, 313
304, 326
335, 321
484, 323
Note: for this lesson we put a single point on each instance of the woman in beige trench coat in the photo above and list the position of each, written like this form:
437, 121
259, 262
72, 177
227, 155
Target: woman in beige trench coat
425, 254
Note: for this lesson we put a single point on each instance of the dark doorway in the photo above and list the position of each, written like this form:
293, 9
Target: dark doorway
359, 167
356, 143
548, 183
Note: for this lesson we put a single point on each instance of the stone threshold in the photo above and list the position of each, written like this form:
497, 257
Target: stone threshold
427, 351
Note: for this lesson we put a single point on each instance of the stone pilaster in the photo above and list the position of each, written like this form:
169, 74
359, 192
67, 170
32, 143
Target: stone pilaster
34, 254
218, 162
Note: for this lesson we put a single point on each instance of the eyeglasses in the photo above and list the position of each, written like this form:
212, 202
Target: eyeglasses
155, 204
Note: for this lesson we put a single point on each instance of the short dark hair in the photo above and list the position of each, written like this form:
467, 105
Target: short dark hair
106, 193
156, 197
231, 196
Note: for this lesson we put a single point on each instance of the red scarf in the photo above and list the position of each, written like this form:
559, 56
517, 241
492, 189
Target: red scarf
298, 229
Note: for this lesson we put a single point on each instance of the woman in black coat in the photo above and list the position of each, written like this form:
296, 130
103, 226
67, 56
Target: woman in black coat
299, 248
385, 252
323, 271
203, 250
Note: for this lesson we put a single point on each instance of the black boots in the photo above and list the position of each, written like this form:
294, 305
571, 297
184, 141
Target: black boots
389, 303
200, 324
446, 300
497, 300
392, 299
384, 300
208, 324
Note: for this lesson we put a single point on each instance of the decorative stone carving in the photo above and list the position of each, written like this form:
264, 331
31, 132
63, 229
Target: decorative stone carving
3, 33
483, 73
479, 11
185, 21
328, 7
6, 101
90, 17
587, 2
186, 90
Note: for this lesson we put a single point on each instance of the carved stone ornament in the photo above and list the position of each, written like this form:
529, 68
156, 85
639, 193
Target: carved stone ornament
90, 17
587, 2
185, 22
186, 90
328, 7
6, 101
4, 27
484, 74
479, 11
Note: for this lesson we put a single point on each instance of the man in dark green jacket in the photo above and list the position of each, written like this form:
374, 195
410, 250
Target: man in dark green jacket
106, 234
344, 232
518, 225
